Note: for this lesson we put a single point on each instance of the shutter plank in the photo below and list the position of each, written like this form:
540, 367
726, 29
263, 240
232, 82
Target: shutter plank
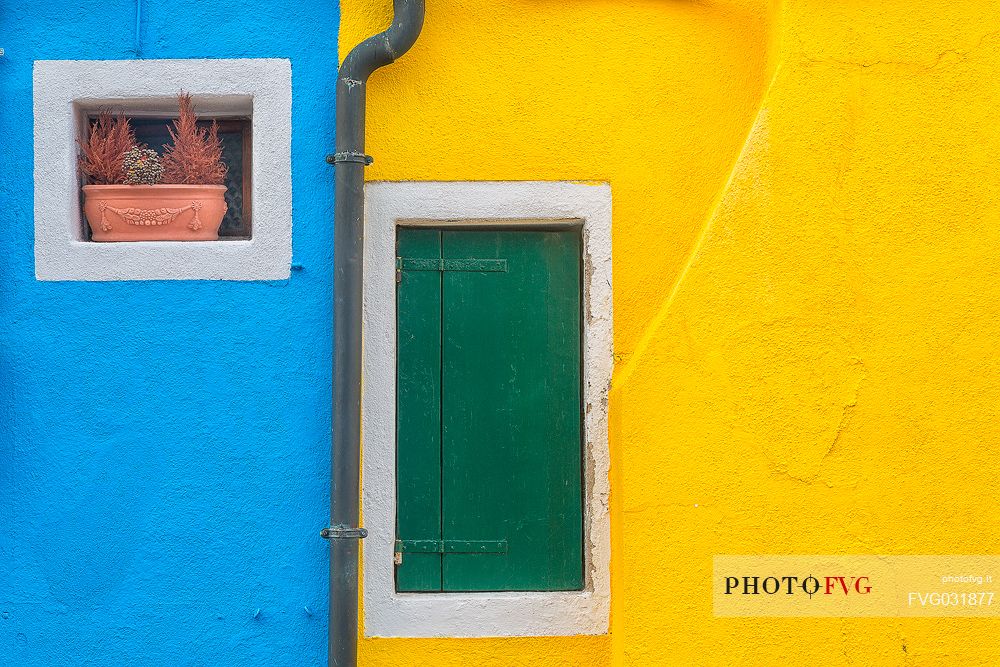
418, 412
511, 417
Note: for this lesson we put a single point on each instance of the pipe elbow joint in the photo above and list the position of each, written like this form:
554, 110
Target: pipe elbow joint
406, 26
385, 47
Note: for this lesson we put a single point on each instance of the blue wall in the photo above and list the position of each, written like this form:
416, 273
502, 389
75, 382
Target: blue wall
164, 446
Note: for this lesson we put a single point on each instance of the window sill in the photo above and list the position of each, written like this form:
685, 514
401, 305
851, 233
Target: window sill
513, 614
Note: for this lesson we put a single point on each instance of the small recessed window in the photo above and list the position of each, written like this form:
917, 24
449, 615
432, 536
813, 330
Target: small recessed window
143, 214
235, 135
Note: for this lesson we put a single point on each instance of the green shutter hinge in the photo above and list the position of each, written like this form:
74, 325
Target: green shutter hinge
451, 546
471, 265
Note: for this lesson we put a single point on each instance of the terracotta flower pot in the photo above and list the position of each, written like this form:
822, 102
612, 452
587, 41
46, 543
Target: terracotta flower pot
154, 212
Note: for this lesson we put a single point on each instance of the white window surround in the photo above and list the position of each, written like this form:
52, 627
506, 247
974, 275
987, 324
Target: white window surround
507, 614
64, 90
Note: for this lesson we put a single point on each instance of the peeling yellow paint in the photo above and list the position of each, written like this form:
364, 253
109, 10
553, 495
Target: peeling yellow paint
806, 239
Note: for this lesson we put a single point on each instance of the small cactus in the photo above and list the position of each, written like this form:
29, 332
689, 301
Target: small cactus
142, 166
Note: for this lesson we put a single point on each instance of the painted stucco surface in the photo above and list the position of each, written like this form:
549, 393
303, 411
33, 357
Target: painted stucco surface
805, 235
805, 259
655, 98
164, 446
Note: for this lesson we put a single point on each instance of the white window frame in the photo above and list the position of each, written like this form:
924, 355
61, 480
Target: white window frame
64, 90
391, 614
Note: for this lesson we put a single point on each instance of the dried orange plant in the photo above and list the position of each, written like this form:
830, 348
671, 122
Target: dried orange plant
195, 158
103, 153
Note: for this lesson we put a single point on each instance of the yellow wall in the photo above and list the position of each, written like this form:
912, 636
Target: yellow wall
806, 262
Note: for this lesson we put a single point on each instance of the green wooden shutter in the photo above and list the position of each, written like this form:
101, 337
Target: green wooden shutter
489, 476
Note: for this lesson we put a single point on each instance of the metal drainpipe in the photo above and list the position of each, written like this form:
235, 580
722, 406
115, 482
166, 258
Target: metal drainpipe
350, 160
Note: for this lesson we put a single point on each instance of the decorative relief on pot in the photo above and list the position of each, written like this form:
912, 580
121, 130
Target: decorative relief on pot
149, 216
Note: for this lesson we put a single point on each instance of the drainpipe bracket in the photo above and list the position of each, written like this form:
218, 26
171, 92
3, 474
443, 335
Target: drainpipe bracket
343, 533
349, 156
